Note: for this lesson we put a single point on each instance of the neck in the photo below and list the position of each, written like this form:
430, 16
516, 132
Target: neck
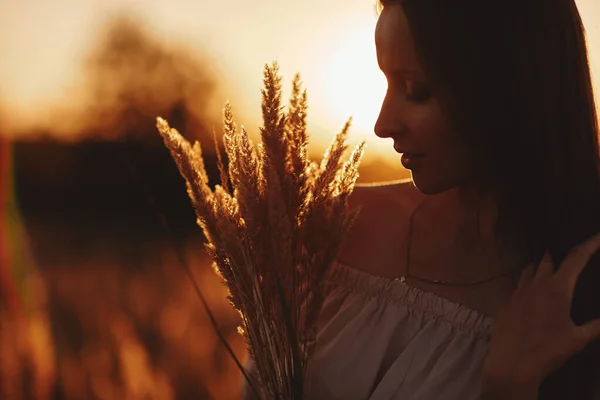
462, 220
474, 214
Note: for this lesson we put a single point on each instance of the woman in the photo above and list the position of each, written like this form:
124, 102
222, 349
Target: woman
457, 284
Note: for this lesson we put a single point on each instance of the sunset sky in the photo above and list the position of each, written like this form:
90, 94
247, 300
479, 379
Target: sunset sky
330, 42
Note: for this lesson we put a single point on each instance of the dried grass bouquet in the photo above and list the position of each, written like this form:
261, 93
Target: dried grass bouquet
274, 235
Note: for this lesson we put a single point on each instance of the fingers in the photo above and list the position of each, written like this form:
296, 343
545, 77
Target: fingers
576, 261
531, 275
587, 333
526, 277
546, 267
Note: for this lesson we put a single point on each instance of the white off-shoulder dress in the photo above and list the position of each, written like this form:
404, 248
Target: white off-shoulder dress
380, 339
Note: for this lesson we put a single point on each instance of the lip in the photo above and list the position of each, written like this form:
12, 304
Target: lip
411, 161
407, 152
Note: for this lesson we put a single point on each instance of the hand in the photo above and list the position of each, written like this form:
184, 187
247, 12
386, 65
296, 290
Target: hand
534, 334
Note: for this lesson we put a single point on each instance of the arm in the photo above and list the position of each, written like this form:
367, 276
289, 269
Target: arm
493, 389
507, 385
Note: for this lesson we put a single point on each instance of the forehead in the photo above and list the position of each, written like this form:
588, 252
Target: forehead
394, 41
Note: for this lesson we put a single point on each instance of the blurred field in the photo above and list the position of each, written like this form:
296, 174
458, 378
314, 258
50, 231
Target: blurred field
111, 311
125, 323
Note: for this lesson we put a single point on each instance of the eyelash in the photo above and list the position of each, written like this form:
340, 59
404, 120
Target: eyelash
416, 93
409, 87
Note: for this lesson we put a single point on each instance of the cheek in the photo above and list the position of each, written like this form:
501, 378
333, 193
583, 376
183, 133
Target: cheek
436, 133
445, 146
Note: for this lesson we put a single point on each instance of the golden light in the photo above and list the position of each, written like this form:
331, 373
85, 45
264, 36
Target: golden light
354, 85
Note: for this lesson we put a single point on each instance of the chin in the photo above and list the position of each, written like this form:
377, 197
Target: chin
429, 185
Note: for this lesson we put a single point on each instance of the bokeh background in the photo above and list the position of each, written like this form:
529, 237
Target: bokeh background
95, 302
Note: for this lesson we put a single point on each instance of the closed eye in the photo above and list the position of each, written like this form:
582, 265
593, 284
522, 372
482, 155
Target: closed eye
414, 90
417, 92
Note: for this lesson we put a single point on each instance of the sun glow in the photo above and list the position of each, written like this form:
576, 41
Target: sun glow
354, 85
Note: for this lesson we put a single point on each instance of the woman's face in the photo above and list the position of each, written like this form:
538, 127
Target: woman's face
410, 113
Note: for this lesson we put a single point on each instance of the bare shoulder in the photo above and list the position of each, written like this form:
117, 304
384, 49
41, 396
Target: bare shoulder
376, 236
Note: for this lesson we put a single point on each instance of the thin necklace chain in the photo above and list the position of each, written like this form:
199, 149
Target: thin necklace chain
402, 279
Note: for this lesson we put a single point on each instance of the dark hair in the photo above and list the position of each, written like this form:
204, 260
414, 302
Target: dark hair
514, 77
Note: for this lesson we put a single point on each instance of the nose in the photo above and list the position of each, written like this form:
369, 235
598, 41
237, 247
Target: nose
389, 122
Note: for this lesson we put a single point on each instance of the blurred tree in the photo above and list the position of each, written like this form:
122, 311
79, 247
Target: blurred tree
132, 77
